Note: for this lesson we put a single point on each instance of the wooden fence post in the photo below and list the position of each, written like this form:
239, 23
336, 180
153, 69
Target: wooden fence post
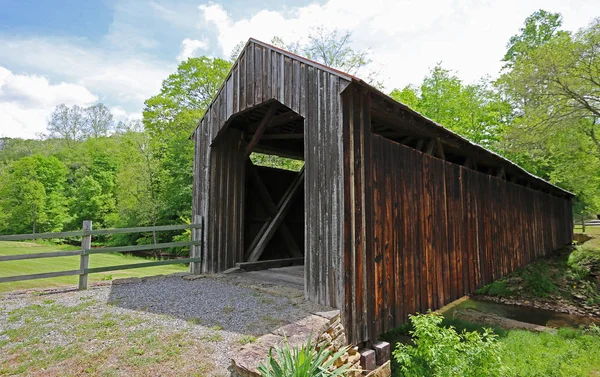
84, 264
196, 250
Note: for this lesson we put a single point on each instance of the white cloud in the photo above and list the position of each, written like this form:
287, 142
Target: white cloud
124, 79
120, 114
190, 46
406, 37
26, 102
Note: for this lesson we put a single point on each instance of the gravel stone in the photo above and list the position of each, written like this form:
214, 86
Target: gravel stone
203, 307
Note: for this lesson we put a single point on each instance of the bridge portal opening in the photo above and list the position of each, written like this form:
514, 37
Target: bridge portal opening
274, 186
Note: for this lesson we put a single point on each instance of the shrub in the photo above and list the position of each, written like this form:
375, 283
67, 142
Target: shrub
582, 261
498, 288
538, 280
304, 361
441, 351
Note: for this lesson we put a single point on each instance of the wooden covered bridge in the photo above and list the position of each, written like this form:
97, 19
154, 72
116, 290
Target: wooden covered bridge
392, 214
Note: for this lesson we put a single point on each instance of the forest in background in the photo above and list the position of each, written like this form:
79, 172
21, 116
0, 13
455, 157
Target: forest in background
543, 112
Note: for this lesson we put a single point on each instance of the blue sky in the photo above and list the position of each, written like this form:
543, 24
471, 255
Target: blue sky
118, 52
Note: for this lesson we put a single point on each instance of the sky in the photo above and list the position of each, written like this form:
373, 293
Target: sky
118, 51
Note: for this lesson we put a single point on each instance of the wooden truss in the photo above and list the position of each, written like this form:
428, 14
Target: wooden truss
276, 212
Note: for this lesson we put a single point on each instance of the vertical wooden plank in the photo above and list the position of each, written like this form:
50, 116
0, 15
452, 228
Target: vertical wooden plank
250, 90
281, 67
337, 181
242, 80
409, 218
452, 211
258, 76
303, 90
296, 85
266, 74
391, 251
368, 213
236, 88
288, 82
229, 91
399, 256
275, 75
349, 248
442, 229
361, 226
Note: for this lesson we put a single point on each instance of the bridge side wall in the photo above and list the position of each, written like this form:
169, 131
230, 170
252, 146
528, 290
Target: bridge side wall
421, 232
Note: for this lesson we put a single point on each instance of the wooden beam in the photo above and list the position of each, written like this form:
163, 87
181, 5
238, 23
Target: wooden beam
277, 120
430, 146
419, 145
500, 174
267, 264
271, 208
284, 205
282, 136
281, 152
407, 139
440, 149
261, 129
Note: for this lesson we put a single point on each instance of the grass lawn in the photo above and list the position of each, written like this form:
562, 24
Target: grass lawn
86, 337
35, 266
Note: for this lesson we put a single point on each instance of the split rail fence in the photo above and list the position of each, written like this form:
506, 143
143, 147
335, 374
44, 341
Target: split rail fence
86, 250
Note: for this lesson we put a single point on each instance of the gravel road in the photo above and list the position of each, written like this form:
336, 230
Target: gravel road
222, 309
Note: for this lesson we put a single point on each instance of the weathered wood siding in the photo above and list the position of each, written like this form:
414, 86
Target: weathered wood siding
262, 73
421, 232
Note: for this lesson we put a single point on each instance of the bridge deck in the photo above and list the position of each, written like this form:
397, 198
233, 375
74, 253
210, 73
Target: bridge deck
292, 276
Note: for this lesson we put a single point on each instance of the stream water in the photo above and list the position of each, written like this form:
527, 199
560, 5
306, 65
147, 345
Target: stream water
536, 316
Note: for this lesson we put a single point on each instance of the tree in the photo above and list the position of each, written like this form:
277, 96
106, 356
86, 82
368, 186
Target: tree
184, 97
474, 111
539, 28
554, 89
68, 123
32, 197
327, 47
77, 123
169, 118
137, 181
99, 120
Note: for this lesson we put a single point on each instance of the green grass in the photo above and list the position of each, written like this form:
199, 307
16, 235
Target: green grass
568, 353
53, 339
34, 266
571, 352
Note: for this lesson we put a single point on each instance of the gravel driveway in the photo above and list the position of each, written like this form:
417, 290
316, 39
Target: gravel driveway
215, 314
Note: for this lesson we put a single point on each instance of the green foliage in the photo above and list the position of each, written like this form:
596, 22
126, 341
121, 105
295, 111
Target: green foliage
498, 288
184, 96
303, 361
538, 279
32, 195
169, 119
551, 82
582, 260
441, 351
276, 162
475, 111
539, 28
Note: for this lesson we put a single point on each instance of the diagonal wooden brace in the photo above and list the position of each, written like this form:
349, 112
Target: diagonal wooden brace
264, 124
271, 208
266, 233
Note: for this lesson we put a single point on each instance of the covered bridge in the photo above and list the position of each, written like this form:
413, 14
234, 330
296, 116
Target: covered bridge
392, 214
